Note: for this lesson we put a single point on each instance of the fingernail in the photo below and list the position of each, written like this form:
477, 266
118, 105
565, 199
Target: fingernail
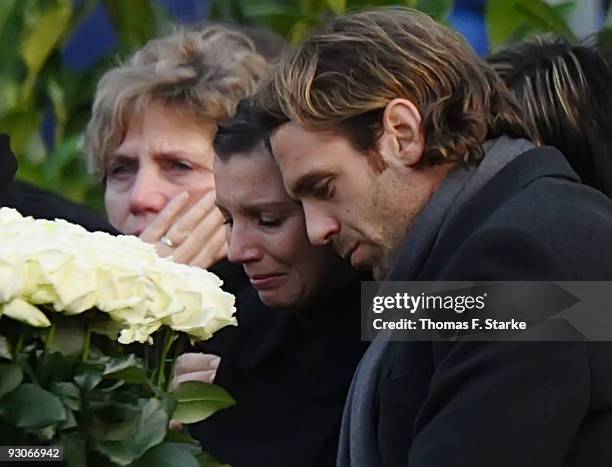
211, 377
214, 363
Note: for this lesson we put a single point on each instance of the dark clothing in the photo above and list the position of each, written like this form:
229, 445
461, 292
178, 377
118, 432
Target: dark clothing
508, 404
289, 373
233, 276
38, 203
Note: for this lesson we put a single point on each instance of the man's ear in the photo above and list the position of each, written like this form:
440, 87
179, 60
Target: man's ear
401, 143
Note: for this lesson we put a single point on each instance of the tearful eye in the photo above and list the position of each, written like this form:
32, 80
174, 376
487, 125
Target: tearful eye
121, 170
179, 166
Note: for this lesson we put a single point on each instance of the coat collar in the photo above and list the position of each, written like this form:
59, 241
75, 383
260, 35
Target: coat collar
537, 163
523, 169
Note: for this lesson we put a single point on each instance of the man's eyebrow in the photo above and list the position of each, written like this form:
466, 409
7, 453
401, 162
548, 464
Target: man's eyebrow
305, 185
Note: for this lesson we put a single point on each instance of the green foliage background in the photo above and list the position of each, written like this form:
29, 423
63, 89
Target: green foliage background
34, 81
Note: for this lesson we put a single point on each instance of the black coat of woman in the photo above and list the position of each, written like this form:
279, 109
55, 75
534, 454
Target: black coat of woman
289, 373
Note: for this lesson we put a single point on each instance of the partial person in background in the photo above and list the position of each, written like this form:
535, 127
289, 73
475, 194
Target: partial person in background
290, 361
150, 137
566, 94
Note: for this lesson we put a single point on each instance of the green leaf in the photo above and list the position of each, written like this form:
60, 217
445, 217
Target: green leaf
5, 348
121, 406
115, 364
11, 376
299, 31
38, 42
30, 406
604, 38
53, 366
70, 422
88, 376
128, 368
198, 401
565, 9
267, 10
148, 431
69, 336
207, 460
6, 8
21, 126
502, 19
437, 9
132, 375
541, 14
135, 21
74, 449
44, 435
170, 455
228, 11
58, 99
174, 436
337, 6
68, 393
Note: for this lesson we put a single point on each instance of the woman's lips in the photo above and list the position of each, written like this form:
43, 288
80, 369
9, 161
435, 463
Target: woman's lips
265, 281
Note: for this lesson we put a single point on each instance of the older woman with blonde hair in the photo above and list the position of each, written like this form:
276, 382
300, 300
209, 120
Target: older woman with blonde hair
149, 140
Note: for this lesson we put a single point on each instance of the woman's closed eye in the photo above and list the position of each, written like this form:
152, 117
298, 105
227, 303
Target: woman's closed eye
270, 221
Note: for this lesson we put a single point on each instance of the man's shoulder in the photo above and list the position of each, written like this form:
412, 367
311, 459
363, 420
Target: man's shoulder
538, 189
533, 211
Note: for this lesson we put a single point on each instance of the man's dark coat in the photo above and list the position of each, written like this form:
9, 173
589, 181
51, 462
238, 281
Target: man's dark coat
507, 404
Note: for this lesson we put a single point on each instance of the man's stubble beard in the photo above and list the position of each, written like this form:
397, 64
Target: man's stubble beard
397, 220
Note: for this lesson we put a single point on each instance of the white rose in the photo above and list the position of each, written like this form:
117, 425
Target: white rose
71, 270
26, 313
205, 306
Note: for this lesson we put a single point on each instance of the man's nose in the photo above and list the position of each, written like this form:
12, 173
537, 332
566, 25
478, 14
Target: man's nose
147, 192
321, 226
242, 247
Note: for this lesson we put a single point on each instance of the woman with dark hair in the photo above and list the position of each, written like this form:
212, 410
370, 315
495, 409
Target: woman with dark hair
566, 96
290, 361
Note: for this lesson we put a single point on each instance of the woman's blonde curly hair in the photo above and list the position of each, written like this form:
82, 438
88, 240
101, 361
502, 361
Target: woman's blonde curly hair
202, 72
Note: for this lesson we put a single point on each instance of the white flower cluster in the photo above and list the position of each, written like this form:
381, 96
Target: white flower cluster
70, 270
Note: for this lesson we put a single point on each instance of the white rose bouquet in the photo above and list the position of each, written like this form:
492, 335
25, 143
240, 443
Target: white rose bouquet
90, 327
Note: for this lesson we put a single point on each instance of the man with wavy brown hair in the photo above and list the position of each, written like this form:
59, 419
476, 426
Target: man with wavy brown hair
399, 88
407, 154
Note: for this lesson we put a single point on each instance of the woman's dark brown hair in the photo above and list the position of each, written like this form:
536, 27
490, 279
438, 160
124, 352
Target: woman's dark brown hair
566, 94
